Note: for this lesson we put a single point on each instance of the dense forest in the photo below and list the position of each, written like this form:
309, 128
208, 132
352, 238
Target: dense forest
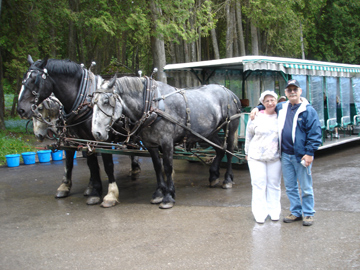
127, 35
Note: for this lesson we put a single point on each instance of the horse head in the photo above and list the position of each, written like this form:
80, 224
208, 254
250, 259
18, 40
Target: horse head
107, 109
45, 117
36, 86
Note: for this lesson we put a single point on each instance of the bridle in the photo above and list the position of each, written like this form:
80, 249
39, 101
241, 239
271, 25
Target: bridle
116, 98
149, 86
44, 75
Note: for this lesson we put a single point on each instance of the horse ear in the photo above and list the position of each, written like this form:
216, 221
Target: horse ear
112, 81
43, 63
30, 60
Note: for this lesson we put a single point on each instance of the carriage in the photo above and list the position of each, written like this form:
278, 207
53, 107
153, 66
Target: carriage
333, 89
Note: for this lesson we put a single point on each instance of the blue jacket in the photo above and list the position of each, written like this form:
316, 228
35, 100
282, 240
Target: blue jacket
306, 131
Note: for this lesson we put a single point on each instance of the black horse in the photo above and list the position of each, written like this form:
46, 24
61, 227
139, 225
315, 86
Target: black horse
71, 84
165, 116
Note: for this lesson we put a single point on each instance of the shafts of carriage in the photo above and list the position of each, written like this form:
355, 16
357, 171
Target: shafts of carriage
204, 155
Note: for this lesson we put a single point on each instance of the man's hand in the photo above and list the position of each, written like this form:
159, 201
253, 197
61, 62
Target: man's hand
253, 113
308, 159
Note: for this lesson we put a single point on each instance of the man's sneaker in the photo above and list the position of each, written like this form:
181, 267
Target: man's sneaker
291, 218
308, 221
336, 136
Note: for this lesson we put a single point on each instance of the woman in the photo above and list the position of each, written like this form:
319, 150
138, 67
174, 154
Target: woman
263, 156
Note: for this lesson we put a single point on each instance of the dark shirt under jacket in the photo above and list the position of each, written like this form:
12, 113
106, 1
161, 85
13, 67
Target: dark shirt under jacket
287, 145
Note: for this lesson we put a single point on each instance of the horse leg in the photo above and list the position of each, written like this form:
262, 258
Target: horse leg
135, 167
64, 189
158, 195
112, 197
215, 165
95, 195
169, 198
229, 176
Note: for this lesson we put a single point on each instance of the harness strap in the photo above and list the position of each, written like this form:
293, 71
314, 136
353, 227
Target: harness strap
79, 98
171, 119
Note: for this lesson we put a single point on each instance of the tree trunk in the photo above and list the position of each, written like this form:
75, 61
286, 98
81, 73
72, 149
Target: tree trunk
157, 44
187, 60
235, 34
123, 49
254, 38
2, 96
15, 100
240, 28
72, 34
229, 30
215, 44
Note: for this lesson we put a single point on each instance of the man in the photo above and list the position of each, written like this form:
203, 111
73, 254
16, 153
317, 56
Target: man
300, 137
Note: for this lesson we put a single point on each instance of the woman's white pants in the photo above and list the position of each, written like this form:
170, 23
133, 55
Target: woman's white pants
266, 189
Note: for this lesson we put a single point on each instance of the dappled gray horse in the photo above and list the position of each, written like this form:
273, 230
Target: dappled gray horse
164, 116
45, 118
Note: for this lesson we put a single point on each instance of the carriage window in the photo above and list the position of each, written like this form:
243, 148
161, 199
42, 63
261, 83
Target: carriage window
345, 101
317, 97
252, 87
268, 81
303, 84
280, 84
356, 93
218, 77
331, 102
233, 81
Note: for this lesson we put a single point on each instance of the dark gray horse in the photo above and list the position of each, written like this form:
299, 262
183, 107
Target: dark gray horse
165, 116
71, 84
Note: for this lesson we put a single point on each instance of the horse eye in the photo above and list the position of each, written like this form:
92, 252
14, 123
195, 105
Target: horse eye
106, 100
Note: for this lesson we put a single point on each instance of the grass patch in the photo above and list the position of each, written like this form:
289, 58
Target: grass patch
18, 136
15, 143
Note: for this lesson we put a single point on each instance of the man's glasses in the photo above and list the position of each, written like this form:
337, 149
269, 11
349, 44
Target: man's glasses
289, 90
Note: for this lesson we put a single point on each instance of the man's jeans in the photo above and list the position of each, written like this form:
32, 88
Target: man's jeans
293, 171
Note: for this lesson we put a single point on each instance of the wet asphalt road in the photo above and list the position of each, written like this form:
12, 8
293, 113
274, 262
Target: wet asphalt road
209, 228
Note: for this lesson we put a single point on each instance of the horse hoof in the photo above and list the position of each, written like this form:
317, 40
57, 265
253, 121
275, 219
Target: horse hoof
214, 182
62, 194
156, 200
166, 205
108, 204
93, 200
88, 191
227, 185
134, 173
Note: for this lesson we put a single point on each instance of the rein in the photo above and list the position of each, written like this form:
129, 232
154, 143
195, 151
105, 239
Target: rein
171, 119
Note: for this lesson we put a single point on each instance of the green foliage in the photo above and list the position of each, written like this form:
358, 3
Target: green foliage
335, 36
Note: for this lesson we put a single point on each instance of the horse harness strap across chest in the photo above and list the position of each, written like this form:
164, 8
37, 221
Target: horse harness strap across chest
80, 110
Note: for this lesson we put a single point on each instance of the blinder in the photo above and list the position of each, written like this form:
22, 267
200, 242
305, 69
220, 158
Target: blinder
40, 74
112, 101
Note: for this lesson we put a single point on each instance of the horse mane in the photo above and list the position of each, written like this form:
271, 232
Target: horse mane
64, 67
129, 84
